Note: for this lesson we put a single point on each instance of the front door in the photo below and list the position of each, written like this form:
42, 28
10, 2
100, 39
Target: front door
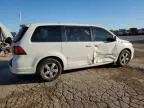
104, 46
77, 46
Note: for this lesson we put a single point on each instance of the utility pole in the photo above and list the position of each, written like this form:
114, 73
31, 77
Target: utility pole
20, 18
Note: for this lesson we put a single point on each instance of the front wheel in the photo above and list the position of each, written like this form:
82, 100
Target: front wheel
124, 58
49, 69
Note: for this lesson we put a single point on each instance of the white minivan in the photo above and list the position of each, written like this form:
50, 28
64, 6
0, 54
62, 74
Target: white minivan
48, 49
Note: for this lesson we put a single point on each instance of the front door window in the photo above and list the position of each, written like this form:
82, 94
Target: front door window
104, 50
100, 34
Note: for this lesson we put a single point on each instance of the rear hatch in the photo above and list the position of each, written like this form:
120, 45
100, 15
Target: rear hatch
21, 33
18, 50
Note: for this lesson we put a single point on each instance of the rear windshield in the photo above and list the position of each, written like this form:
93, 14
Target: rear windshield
21, 33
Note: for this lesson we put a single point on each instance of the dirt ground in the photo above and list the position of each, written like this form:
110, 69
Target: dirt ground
98, 87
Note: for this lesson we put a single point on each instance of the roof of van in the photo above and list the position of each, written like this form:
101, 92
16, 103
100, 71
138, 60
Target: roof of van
67, 24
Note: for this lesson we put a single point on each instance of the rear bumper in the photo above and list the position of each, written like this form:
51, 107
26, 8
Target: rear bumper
20, 71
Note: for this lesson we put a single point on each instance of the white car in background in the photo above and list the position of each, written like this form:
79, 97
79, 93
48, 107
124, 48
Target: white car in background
4, 32
48, 49
5, 40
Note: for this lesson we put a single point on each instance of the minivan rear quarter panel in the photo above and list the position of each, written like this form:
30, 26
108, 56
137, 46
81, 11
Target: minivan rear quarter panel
37, 51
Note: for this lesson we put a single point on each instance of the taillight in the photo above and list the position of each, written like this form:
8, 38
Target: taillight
17, 50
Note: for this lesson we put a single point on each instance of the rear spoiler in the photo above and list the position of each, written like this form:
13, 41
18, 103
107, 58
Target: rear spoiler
25, 25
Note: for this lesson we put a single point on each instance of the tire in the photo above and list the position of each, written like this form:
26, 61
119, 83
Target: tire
49, 69
124, 58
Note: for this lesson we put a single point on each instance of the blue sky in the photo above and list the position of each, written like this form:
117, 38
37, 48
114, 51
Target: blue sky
112, 14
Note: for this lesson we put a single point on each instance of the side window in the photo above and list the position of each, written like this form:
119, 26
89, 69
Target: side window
100, 34
76, 34
47, 34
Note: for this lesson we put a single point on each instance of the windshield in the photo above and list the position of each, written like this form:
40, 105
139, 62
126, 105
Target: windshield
20, 34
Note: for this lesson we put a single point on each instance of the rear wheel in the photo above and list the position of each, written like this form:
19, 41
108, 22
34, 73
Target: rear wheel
49, 69
124, 58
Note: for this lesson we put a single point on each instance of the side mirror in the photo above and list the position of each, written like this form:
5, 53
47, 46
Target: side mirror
111, 39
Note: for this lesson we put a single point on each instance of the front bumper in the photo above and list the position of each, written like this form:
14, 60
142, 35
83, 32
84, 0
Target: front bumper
132, 52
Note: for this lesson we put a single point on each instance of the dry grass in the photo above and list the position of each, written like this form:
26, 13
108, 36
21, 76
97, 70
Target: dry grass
139, 54
139, 46
6, 58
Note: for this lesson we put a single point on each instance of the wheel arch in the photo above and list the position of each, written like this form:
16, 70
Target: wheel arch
54, 57
128, 49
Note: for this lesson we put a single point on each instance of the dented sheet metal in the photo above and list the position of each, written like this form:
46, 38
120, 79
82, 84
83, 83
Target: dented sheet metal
105, 52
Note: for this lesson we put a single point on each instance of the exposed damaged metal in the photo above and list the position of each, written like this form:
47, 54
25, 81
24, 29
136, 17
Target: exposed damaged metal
101, 53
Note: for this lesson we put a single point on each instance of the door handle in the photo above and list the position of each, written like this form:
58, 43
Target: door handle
95, 45
88, 46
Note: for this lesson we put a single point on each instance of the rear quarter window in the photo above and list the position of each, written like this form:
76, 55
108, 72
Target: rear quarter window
47, 34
